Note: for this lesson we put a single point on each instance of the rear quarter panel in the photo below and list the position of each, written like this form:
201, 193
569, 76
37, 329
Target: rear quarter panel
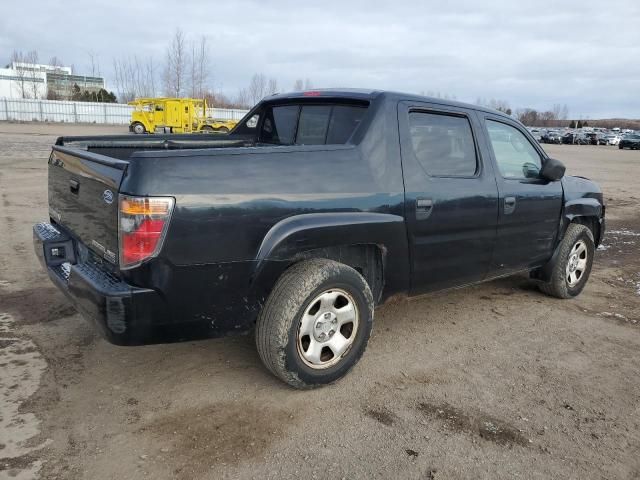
215, 265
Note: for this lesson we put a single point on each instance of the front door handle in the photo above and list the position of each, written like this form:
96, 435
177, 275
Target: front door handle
424, 207
509, 205
74, 186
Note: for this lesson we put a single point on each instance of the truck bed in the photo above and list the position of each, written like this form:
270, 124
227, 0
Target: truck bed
123, 146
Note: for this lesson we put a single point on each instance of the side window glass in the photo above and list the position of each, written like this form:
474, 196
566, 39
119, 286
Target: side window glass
253, 121
344, 121
279, 125
443, 144
515, 155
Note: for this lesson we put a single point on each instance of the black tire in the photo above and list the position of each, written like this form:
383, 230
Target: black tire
138, 128
222, 130
207, 129
280, 321
560, 285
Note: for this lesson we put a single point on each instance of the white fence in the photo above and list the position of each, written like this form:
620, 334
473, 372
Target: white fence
27, 110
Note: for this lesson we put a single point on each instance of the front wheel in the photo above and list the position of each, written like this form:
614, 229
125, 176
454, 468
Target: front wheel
315, 324
573, 263
138, 128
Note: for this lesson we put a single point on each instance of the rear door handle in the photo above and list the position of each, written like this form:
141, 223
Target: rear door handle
424, 207
509, 205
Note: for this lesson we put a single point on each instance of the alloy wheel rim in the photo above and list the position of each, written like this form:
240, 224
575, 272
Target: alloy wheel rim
327, 329
577, 263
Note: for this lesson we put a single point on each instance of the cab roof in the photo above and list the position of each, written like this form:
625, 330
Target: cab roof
362, 94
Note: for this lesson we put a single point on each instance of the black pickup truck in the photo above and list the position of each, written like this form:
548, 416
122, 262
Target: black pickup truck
318, 206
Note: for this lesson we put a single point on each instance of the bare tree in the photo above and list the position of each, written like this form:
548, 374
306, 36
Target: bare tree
257, 89
34, 81
546, 119
500, 105
298, 86
243, 100
27, 79
272, 87
528, 116
199, 74
134, 78
561, 112
220, 100
22, 75
149, 79
307, 84
94, 63
55, 62
176, 65
123, 77
260, 87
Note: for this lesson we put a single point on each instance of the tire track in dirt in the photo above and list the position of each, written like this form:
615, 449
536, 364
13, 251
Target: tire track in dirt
21, 368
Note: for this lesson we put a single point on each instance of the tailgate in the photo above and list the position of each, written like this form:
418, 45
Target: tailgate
83, 197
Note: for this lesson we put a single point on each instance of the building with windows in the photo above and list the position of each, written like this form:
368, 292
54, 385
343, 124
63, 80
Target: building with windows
29, 80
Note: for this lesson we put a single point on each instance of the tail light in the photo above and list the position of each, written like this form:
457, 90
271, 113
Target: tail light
142, 226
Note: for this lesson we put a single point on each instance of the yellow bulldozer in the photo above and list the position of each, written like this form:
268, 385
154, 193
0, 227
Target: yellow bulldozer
174, 115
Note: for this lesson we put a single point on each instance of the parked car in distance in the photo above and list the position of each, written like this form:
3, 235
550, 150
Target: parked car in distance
630, 141
314, 209
552, 136
575, 139
612, 139
537, 134
595, 138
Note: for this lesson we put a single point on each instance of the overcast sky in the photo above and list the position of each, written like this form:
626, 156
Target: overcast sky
582, 53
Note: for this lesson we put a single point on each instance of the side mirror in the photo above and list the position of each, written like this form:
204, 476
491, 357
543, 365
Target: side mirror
552, 169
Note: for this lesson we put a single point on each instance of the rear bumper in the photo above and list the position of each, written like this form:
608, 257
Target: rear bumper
124, 314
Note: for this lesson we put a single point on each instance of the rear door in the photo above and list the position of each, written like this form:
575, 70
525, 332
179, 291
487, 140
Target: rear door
451, 198
530, 206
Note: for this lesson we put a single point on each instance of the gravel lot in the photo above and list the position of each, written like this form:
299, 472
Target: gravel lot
493, 381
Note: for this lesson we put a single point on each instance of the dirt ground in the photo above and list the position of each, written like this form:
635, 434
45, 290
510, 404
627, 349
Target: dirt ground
493, 381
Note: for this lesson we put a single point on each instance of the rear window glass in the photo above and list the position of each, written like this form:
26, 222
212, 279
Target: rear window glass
443, 144
279, 125
311, 124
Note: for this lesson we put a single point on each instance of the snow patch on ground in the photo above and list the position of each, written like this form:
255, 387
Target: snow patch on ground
21, 368
619, 316
623, 233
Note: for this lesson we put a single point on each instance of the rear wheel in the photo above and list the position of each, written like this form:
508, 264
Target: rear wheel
206, 129
222, 130
315, 324
572, 264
